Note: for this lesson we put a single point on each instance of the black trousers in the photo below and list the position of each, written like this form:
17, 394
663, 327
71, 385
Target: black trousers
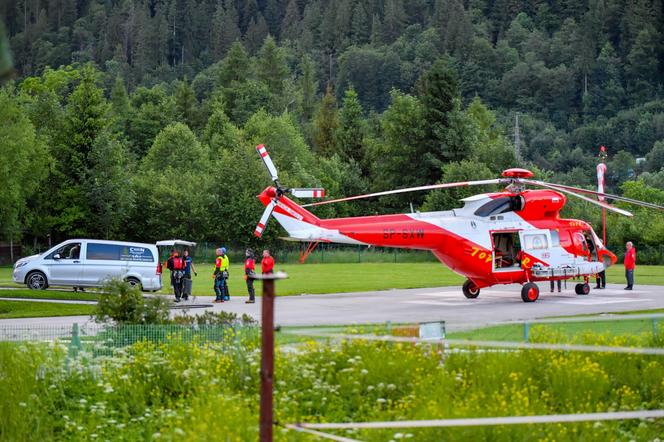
250, 289
601, 279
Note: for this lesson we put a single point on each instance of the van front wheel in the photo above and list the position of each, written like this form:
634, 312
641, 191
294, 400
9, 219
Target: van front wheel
37, 281
133, 282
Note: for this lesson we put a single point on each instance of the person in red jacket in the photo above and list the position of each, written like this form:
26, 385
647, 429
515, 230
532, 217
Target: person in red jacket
630, 263
249, 274
267, 263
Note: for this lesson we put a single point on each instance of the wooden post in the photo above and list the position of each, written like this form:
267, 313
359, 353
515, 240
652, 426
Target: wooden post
267, 355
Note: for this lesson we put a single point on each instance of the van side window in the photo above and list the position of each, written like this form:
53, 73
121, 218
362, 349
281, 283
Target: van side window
116, 252
69, 251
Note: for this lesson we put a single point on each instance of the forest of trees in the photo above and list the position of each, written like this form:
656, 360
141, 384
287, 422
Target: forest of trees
137, 119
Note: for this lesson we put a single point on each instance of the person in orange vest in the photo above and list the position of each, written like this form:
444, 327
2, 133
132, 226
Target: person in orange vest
630, 264
267, 263
249, 274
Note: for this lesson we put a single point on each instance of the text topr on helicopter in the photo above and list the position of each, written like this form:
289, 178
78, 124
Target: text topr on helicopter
513, 236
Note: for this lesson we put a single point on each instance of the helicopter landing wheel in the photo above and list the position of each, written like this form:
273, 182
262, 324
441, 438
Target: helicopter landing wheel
582, 289
530, 292
470, 290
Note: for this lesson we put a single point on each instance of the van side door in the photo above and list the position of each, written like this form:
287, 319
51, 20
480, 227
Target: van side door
65, 264
102, 262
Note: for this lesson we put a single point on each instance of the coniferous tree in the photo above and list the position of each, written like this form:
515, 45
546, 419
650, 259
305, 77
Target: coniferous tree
438, 90
256, 34
360, 26
642, 65
394, 20
120, 105
351, 131
308, 87
186, 105
229, 31
326, 124
290, 26
273, 69
235, 66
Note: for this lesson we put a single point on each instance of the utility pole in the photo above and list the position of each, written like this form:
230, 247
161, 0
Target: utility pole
267, 355
517, 140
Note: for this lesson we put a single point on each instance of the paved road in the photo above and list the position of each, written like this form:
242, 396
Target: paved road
494, 305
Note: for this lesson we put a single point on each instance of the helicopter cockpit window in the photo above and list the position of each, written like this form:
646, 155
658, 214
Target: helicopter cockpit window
499, 205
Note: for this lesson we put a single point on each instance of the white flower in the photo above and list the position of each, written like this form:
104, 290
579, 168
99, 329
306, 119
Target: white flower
398, 435
380, 400
364, 371
22, 404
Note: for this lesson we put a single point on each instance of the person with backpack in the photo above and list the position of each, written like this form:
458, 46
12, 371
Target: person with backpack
249, 274
221, 276
176, 265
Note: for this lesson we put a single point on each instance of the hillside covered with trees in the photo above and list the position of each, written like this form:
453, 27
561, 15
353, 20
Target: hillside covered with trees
138, 119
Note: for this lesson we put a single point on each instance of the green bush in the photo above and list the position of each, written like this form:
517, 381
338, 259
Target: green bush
124, 304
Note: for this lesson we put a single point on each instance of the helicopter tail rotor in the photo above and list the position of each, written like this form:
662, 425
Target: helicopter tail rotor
279, 191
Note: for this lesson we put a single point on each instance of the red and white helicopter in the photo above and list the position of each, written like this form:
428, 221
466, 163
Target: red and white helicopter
513, 236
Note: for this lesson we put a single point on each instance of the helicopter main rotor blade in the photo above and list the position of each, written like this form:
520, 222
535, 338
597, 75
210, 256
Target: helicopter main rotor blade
260, 228
585, 198
262, 151
605, 195
412, 189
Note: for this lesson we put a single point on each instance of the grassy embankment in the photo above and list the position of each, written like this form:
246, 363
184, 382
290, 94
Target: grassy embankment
27, 309
336, 278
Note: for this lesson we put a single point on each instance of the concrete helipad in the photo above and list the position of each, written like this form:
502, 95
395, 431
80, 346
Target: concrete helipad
494, 305
497, 304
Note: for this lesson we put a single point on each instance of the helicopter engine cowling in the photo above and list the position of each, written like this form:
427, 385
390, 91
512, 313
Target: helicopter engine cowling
541, 203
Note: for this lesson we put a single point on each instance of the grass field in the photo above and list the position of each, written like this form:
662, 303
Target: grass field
27, 309
567, 331
336, 278
49, 294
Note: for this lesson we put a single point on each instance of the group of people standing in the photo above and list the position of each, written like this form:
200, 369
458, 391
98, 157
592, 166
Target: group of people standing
630, 264
182, 267
221, 273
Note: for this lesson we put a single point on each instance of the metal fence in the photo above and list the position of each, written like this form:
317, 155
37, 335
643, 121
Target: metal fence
323, 253
103, 339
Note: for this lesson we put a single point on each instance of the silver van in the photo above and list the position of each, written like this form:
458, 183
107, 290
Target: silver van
89, 262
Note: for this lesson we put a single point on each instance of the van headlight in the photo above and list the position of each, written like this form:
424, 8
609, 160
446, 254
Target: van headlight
20, 264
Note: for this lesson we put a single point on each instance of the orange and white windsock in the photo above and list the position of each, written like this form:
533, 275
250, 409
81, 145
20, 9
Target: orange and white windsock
601, 171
